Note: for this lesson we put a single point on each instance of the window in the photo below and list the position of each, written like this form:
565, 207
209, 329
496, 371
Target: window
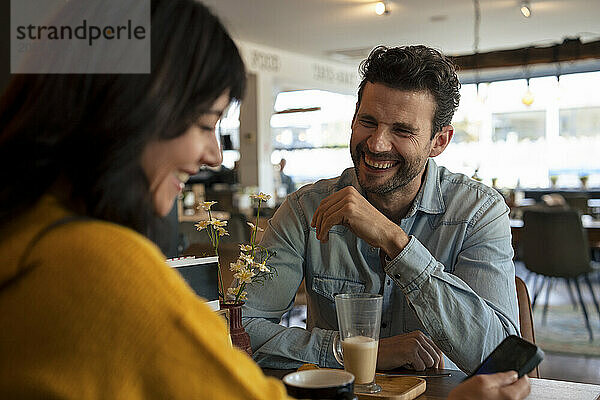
467, 122
557, 136
580, 122
520, 125
228, 130
311, 130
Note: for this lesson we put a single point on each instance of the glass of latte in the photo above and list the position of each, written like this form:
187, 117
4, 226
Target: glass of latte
359, 318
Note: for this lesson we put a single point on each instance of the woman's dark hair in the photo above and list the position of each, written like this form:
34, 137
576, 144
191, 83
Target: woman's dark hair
415, 68
91, 129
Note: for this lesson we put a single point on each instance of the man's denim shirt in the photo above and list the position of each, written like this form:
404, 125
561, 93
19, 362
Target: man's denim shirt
455, 279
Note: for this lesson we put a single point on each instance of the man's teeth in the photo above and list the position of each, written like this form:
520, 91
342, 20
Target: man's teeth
183, 176
379, 164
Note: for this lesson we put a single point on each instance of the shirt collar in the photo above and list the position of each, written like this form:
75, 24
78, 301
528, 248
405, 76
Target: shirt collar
429, 198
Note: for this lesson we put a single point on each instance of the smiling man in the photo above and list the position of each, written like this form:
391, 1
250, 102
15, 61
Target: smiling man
435, 244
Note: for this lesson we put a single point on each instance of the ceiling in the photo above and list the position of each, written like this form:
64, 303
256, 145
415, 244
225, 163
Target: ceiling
346, 30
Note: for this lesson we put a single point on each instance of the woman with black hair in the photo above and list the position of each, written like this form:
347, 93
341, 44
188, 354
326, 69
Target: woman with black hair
90, 166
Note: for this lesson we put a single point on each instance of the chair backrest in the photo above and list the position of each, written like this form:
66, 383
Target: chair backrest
526, 317
554, 242
577, 201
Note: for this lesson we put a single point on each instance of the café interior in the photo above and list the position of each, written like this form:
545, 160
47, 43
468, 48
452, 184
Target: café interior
528, 125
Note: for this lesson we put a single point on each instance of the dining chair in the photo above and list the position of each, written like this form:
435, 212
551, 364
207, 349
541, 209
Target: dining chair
555, 247
577, 201
526, 317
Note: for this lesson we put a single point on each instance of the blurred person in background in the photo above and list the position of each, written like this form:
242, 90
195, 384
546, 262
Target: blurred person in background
286, 181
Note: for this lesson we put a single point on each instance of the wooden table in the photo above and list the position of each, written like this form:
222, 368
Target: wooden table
541, 389
546, 389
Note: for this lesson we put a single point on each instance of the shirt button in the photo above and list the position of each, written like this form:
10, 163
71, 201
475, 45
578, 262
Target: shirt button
389, 282
384, 325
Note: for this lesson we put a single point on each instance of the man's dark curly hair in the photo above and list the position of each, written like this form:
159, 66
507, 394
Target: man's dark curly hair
415, 68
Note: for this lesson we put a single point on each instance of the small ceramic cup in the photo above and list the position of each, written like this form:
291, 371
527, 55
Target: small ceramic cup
320, 384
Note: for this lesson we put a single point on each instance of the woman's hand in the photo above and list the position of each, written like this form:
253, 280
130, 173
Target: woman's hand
499, 386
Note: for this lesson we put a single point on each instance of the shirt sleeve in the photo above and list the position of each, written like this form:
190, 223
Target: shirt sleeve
471, 309
274, 345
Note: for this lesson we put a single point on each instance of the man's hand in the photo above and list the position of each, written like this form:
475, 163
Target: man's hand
349, 208
499, 386
413, 350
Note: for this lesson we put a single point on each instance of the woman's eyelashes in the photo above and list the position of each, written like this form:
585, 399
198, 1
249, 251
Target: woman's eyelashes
205, 127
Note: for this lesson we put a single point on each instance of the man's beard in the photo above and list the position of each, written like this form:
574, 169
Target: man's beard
406, 172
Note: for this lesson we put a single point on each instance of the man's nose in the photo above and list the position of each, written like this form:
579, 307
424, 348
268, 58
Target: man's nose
379, 141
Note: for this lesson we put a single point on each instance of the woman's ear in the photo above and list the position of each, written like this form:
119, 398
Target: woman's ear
441, 140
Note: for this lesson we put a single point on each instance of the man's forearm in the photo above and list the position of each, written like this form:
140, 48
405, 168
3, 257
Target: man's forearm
465, 324
275, 346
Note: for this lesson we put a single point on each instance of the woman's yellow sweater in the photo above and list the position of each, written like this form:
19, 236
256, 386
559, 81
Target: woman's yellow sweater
101, 316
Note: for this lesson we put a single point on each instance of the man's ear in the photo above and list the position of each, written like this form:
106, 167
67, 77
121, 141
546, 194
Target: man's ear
441, 140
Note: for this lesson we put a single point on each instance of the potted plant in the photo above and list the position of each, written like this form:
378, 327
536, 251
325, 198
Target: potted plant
584, 179
251, 267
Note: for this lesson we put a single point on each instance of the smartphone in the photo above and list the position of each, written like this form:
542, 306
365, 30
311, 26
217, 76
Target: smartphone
512, 354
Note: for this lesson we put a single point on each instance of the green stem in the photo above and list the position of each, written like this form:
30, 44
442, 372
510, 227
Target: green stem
253, 237
240, 291
213, 236
254, 246
209, 230
222, 287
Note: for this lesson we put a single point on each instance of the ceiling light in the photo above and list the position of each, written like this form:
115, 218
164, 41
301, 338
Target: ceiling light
381, 8
528, 97
526, 9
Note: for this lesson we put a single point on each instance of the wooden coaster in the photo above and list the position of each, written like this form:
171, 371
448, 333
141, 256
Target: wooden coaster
392, 387
396, 388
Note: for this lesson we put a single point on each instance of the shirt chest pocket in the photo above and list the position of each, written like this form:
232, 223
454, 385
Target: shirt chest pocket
326, 288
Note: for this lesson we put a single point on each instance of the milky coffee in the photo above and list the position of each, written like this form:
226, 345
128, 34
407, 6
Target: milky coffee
360, 357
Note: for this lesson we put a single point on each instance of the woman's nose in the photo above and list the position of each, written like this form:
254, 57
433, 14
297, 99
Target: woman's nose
213, 154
